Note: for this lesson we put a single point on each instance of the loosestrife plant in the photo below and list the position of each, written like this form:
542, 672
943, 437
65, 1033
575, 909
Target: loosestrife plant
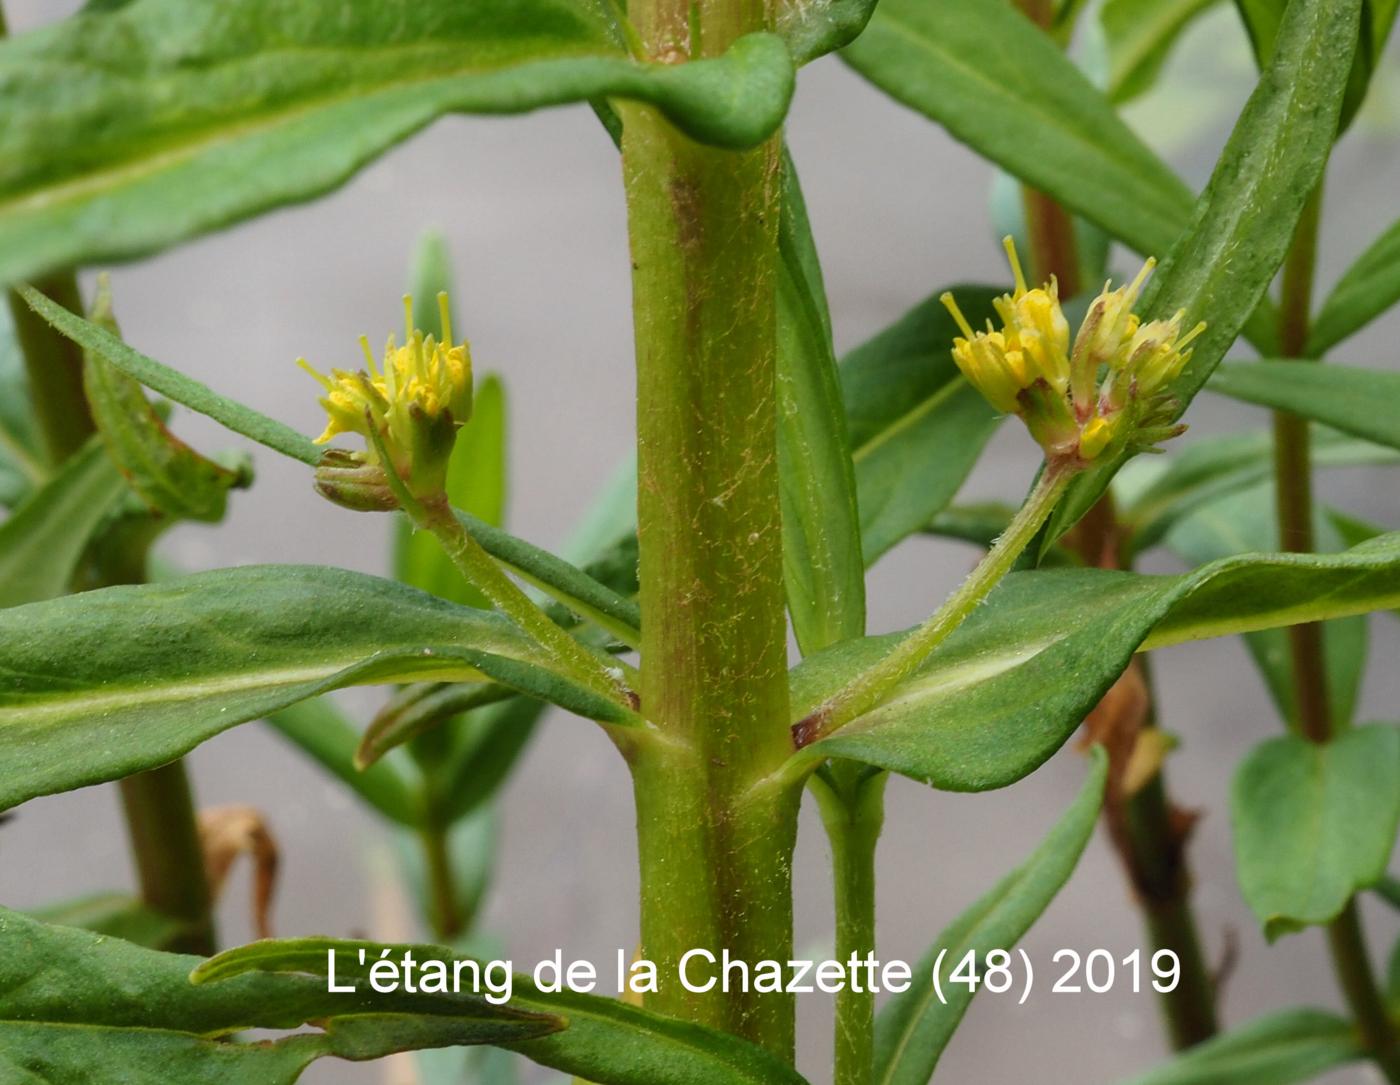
769, 475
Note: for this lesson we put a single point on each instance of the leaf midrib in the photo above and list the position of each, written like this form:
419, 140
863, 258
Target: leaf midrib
45, 197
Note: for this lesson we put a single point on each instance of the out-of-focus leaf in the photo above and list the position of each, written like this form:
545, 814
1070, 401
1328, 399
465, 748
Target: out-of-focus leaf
916, 1025
1221, 267
21, 454
43, 540
916, 426
1140, 36
1314, 823
552, 575
1016, 679
997, 83
98, 686
1362, 402
822, 565
1246, 523
318, 728
175, 117
1174, 486
1280, 1049
1367, 289
606, 1041
483, 752
116, 915
420, 708
476, 483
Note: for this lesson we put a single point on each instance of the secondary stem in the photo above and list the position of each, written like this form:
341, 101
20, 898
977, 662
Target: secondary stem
715, 843
158, 805
480, 570
1293, 480
851, 800
872, 686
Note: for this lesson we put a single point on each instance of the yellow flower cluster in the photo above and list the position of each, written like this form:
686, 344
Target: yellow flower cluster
1028, 368
412, 405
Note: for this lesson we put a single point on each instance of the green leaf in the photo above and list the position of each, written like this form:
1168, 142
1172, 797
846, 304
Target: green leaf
319, 729
1156, 493
916, 426
1280, 1049
21, 455
420, 708
1140, 35
1000, 85
484, 751
116, 915
1314, 823
175, 117
915, 1026
1245, 523
606, 1041
81, 1007
98, 686
476, 483
43, 541
539, 567
822, 564
1016, 679
476, 473
1361, 402
814, 28
1367, 289
174, 480
1222, 266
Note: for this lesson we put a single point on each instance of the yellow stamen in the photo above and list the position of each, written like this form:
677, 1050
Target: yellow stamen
1009, 244
445, 317
952, 306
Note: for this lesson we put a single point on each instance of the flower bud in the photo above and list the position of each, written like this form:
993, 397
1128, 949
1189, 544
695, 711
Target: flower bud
413, 407
1025, 368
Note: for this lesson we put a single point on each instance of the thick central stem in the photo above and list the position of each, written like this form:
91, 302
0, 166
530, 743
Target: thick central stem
715, 844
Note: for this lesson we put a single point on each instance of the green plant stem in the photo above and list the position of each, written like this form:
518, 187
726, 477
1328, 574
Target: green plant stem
158, 805
715, 827
480, 570
443, 910
164, 832
1293, 480
873, 685
54, 367
851, 800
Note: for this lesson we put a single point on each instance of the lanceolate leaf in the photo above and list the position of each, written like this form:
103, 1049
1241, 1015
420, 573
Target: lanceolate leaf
81, 1007
97, 686
1156, 493
41, 543
1006, 690
552, 575
128, 130
1140, 36
1220, 269
916, 426
606, 1041
116, 915
1369, 287
1281, 1049
915, 1026
1362, 402
1314, 823
822, 564
319, 729
21, 456
996, 82
1247, 523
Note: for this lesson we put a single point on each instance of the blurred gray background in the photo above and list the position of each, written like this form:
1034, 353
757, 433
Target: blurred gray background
533, 212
